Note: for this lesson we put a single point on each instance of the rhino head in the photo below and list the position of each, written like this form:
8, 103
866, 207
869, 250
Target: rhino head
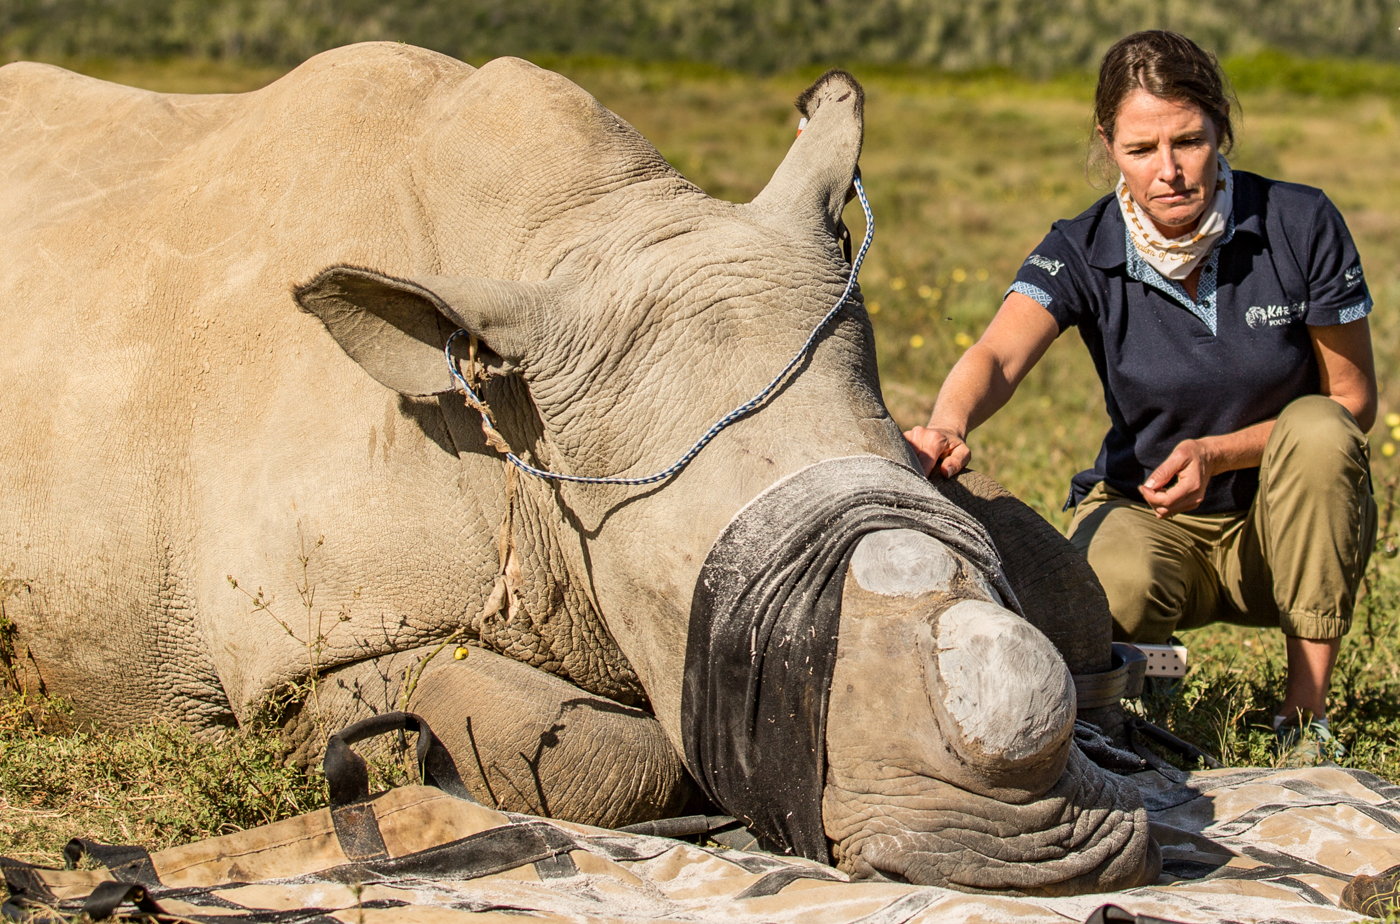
937, 741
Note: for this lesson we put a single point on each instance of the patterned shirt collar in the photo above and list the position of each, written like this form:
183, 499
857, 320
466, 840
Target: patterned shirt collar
1203, 306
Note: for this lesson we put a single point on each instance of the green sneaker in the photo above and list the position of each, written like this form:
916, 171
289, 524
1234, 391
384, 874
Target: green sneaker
1302, 741
1374, 896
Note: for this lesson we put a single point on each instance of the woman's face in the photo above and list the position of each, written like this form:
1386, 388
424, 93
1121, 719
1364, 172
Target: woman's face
1166, 151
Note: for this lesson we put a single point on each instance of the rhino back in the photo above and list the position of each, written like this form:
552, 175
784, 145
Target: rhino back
181, 422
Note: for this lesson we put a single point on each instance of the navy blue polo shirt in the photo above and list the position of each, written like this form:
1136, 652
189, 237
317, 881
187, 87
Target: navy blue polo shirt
1176, 368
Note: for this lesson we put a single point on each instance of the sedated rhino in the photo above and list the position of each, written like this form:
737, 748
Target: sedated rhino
823, 639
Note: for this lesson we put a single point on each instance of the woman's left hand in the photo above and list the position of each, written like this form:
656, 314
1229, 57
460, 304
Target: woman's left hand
1348, 376
1178, 485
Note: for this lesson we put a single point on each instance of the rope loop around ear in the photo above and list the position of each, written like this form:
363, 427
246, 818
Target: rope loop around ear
497, 442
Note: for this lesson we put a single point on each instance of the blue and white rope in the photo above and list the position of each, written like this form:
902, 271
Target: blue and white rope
724, 421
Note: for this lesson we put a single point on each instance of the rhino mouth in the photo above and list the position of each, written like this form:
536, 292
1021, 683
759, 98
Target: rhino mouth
1083, 835
899, 759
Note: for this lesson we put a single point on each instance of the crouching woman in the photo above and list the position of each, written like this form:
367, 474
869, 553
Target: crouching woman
1226, 315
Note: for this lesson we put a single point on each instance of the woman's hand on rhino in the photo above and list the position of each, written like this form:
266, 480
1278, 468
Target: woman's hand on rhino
940, 449
981, 382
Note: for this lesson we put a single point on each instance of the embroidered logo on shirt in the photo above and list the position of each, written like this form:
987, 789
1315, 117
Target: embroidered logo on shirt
1353, 276
1052, 267
1275, 315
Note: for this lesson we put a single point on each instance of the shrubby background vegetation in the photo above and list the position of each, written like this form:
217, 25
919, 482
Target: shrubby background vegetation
967, 164
751, 35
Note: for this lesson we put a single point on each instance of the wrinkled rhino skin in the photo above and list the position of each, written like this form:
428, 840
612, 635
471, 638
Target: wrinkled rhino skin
190, 455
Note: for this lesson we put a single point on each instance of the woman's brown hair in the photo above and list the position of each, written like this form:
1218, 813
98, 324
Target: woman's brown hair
1169, 66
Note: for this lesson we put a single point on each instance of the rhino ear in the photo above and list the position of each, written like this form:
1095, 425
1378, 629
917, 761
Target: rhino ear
816, 175
397, 328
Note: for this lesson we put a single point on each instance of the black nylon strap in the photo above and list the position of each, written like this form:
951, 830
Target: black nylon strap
104, 900
127, 862
205, 897
26, 881
1287, 864
1260, 812
347, 775
1167, 739
755, 862
773, 883
1388, 791
357, 830
559, 866
14, 909
736, 837
496, 850
902, 909
1190, 869
683, 826
1112, 914
1302, 888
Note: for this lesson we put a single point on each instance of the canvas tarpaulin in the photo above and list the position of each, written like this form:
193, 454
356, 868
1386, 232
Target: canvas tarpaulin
1238, 845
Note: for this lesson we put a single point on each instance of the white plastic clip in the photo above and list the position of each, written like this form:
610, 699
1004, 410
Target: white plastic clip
1164, 660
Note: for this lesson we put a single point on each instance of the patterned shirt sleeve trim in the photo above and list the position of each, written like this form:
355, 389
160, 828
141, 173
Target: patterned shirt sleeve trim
1355, 312
1030, 291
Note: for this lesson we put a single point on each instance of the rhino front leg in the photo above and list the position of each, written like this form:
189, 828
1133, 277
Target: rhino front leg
523, 740
548, 748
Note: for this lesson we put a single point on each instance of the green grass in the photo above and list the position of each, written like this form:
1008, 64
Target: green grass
965, 175
1331, 78
756, 36
155, 785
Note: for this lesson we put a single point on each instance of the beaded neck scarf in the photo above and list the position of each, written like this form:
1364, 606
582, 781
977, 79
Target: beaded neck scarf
1176, 257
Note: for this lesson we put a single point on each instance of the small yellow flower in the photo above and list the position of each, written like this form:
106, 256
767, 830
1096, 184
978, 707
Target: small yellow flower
461, 653
982, 275
873, 307
897, 283
1388, 450
925, 292
917, 341
1395, 433
963, 340
1392, 419
960, 275
935, 294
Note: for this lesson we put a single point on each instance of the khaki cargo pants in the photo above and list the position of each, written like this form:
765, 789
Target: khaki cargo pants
1293, 560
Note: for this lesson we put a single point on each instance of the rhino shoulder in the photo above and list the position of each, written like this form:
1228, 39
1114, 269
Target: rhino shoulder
371, 69
42, 93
